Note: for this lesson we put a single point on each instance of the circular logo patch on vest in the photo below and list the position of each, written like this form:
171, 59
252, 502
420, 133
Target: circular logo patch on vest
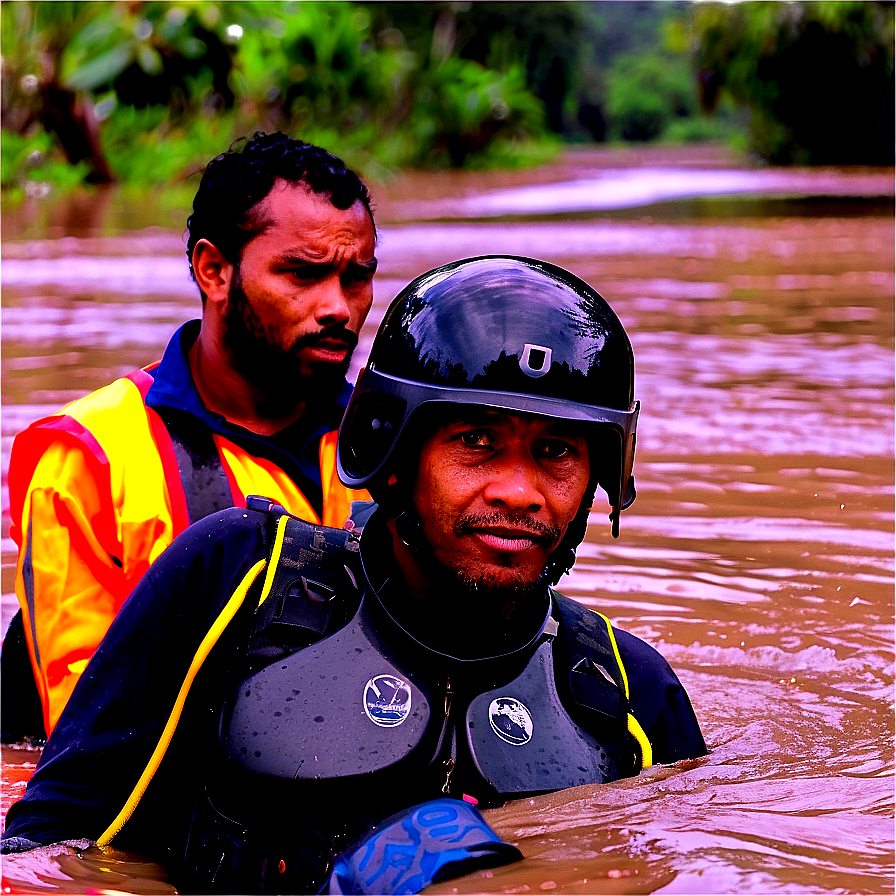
387, 700
510, 720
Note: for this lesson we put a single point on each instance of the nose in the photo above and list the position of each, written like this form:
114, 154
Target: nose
331, 305
514, 483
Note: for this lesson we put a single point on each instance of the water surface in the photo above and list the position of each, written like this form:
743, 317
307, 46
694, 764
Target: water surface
758, 557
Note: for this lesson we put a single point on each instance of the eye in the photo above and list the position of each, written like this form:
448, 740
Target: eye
357, 277
475, 438
558, 449
305, 273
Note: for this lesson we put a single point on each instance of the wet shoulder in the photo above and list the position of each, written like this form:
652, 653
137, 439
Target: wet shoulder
216, 547
232, 533
643, 662
659, 701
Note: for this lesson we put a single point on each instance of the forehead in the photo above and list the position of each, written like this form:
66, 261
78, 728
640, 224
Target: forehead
477, 415
294, 211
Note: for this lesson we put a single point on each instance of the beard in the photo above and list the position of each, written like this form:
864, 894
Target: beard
491, 610
477, 590
469, 586
280, 373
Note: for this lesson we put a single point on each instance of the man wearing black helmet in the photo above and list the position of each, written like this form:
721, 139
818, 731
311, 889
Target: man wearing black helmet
341, 679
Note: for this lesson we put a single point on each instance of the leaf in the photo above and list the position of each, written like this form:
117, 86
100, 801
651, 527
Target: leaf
149, 59
101, 70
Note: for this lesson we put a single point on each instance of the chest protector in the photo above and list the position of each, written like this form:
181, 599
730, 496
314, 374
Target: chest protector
369, 704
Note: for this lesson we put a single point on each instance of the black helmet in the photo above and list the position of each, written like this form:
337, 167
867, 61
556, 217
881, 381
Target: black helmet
503, 332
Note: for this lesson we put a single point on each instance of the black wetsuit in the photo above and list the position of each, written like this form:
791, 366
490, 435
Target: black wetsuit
217, 803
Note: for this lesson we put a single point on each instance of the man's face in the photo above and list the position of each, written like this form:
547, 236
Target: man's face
496, 492
300, 293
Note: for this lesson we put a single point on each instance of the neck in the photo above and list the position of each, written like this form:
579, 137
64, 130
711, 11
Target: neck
454, 619
225, 391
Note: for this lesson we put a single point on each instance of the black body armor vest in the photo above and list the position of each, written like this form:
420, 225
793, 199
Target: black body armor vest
321, 743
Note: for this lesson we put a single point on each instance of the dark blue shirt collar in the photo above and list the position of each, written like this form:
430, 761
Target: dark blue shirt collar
173, 385
297, 445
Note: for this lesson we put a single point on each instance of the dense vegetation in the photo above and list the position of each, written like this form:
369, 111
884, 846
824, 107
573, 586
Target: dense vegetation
146, 91
816, 77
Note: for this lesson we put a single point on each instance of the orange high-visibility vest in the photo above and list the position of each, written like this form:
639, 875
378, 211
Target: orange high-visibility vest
96, 494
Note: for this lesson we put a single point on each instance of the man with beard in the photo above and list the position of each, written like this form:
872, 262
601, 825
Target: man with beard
351, 697
281, 245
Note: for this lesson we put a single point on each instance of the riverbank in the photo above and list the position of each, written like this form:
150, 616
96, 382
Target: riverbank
596, 179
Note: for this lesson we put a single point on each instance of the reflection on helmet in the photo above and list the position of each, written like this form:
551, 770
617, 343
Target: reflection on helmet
503, 332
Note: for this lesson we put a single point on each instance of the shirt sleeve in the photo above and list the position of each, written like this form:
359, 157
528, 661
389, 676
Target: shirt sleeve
659, 702
118, 710
69, 577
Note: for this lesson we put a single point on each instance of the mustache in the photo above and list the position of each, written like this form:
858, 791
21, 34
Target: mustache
338, 332
543, 532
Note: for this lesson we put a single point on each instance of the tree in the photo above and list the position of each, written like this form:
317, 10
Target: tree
817, 77
542, 41
35, 89
59, 57
193, 71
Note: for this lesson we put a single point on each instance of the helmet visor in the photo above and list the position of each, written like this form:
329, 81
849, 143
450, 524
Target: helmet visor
379, 414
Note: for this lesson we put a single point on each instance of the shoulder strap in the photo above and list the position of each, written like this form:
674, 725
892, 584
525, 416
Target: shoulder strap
597, 678
311, 586
202, 474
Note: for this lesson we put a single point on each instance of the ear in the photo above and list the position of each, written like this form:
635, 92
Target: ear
212, 270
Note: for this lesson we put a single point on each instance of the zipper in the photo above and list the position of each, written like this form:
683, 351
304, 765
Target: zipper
449, 768
449, 763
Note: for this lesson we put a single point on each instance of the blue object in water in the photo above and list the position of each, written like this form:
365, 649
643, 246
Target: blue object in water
427, 843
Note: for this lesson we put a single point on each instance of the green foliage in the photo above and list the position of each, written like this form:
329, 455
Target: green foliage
315, 64
31, 35
816, 77
646, 93
148, 90
636, 75
146, 146
29, 165
150, 53
326, 67
544, 42
705, 128
333, 73
461, 109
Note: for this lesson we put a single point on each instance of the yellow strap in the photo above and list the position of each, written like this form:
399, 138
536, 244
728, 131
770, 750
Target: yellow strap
634, 726
202, 652
637, 732
275, 559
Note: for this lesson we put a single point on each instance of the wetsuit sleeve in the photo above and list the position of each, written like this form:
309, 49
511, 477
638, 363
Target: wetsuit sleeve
68, 582
659, 702
110, 726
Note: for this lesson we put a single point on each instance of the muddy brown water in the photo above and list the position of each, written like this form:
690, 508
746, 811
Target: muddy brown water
758, 557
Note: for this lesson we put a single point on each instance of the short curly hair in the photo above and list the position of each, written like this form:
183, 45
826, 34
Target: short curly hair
237, 180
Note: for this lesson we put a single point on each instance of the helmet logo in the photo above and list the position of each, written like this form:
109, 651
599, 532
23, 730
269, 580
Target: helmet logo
510, 720
536, 360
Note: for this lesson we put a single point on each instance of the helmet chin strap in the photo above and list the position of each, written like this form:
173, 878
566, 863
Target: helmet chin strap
409, 529
564, 556
562, 559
